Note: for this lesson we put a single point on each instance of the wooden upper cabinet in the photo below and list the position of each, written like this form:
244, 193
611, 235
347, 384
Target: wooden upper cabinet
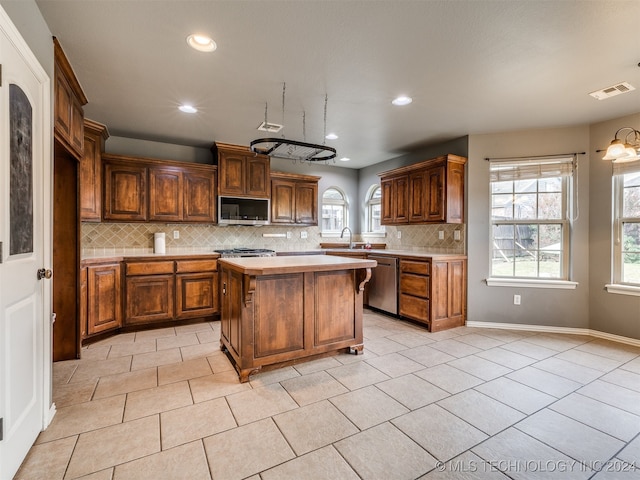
125, 191
395, 200
282, 201
417, 208
241, 173
294, 199
140, 189
90, 171
257, 176
432, 193
69, 100
307, 203
434, 209
232, 169
199, 203
165, 194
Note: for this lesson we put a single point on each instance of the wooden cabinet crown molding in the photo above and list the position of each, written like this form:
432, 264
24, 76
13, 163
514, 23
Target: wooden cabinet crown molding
451, 158
149, 161
63, 64
91, 127
294, 176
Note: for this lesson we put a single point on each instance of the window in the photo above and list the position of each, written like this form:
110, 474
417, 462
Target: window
334, 210
373, 207
530, 224
626, 226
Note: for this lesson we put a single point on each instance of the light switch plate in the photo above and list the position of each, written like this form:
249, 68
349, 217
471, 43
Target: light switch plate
440, 234
456, 234
303, 234
289, 234
176, 234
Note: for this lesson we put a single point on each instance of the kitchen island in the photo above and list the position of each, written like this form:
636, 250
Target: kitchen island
277, 311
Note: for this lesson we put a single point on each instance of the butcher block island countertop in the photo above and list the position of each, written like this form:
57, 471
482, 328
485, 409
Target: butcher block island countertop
278, 311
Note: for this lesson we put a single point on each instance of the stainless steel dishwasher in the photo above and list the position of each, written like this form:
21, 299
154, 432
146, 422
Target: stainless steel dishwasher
383, 286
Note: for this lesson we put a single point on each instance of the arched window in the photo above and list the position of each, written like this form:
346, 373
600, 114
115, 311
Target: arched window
373, 206
334, 210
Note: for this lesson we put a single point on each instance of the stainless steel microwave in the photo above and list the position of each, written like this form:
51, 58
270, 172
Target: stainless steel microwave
243, 211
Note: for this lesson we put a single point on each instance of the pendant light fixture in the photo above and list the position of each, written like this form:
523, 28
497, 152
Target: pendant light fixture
293, 149
624, 151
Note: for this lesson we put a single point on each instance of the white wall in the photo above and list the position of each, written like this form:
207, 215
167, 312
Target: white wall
612, 313
165, 151
566, 308
27, 18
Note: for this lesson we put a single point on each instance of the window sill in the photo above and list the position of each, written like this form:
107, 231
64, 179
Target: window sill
531, 283
374, 234
622, 289
329, 234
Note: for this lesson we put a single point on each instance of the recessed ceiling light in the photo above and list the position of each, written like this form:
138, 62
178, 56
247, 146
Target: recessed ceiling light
202, 43
345, 159
187, 109
331, 136
402, 100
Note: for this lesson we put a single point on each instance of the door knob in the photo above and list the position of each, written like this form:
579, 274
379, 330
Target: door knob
44, 273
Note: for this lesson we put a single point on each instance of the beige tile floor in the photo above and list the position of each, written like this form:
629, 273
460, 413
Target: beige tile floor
465, 403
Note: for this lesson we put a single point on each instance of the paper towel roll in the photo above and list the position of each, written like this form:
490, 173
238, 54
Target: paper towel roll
159, 242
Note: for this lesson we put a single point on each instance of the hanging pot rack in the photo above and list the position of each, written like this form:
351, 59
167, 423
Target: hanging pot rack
294, 150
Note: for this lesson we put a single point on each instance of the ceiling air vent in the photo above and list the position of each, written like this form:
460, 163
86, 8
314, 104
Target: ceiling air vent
270, 127
612, 91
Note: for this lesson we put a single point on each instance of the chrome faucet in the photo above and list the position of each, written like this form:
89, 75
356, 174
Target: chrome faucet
350, 235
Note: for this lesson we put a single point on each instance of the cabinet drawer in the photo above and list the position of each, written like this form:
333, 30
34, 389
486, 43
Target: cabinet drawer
408, 266
415, 308
196, 266
149, 268
414, 285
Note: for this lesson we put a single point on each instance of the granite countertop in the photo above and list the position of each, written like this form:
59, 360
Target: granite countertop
177, 254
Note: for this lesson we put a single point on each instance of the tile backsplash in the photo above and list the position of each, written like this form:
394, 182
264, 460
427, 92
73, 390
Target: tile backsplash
137, 238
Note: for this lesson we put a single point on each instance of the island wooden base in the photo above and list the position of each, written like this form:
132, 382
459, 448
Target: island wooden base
277, 319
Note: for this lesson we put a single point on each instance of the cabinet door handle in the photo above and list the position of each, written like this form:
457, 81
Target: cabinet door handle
224, 288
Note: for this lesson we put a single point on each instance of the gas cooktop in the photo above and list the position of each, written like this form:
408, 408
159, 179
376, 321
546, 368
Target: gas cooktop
245, 252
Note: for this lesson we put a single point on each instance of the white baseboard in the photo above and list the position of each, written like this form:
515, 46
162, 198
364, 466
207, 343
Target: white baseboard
50, 415
550, 329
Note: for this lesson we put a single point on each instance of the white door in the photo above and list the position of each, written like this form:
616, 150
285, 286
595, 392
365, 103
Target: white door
24, 323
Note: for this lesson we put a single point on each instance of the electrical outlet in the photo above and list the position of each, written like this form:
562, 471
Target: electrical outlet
303, 234
440, 234
289, 235
456, 234
176, 234
399, 234
516, 299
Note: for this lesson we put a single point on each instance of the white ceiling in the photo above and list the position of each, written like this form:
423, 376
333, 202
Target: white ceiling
472, 67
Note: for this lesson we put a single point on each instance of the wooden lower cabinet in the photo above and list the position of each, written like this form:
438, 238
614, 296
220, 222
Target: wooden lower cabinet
434, 291
168, 290
149, 299
197, 289
100, 299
